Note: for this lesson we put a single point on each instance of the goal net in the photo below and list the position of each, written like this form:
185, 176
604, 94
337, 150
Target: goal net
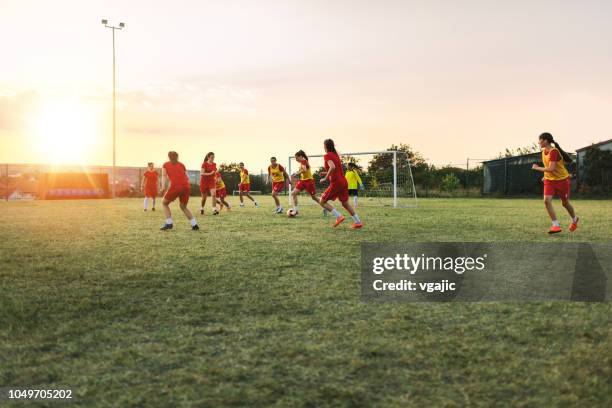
386, 177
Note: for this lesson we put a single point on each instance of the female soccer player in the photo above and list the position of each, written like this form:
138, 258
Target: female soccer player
354, 181
207, 182
175, 172
306, 181
244, 188
150, 181
338, 187
221, 192
556, 180
279, 177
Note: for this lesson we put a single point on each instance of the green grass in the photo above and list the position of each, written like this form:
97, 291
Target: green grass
259, 310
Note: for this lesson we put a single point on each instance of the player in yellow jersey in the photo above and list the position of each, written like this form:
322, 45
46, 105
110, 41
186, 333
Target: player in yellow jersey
305, 182
221, 191
279, 177
556, 180
244, 188
354, 182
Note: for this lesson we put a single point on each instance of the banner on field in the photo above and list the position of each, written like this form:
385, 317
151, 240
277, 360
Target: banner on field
61, 186
487, 272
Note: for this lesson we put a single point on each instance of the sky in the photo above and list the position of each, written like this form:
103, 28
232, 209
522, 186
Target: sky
252, 79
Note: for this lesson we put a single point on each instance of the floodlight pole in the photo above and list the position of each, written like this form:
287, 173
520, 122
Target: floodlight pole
113, 178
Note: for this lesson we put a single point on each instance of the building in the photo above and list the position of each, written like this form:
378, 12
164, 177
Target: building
581, 158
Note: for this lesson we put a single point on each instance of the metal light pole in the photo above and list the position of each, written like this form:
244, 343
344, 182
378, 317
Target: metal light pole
113, 28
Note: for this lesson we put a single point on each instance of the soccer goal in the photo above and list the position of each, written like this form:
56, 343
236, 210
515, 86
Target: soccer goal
386, 177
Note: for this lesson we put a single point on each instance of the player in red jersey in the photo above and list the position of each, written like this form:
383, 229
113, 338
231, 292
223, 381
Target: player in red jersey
221, 192
174, 172
207, 181
279, 177
338, 186
306, 180
150, 181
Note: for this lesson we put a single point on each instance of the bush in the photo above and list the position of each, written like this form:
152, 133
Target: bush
450, 183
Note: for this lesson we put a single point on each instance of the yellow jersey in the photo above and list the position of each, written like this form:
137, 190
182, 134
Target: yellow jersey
560, 172
277, 173
219, 183
353, 179
306, 173
244, 177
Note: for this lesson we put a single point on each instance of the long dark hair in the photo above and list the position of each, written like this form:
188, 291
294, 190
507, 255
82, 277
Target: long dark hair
173, 156
329, 146
301, 153
208, 155
549, 138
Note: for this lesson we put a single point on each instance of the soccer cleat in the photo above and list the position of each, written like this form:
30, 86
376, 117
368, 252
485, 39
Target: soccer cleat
145, 210
279, 210
202, 212
153, 209
195, 227
356, 225
574, 225
554, 230
256, 204
166, 227
242, 205
339, 220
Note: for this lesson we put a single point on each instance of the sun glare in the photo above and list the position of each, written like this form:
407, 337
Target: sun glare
64, 133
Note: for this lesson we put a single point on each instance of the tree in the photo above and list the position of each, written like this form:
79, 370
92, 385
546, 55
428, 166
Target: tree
519, 151
381, 165
450, 182
598, 169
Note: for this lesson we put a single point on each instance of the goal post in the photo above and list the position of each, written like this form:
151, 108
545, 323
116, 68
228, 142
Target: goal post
386, 177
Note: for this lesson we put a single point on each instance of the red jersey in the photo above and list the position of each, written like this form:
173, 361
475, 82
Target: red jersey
151, 177
337, 176
177, 173
208, 167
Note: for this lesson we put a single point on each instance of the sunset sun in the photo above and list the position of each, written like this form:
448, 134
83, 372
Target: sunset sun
64, 132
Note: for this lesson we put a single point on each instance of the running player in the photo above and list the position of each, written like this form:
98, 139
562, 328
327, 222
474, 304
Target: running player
207, 182
354, 182
244, 188
338, 187
221, 192
306, 181
150, 181
279, 177
556, 180
174, 172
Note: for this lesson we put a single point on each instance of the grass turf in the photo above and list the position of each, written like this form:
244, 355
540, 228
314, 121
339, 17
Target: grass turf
257, 309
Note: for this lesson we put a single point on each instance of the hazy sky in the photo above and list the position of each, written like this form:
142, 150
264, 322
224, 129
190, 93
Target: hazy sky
250, 79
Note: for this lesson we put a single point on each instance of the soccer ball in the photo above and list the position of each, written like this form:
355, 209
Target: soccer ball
291, 213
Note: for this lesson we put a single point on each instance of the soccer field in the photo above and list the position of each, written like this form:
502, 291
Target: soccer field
257, 309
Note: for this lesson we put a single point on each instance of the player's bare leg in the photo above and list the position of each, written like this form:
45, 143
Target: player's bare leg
356, 221
570, 210
213, 193
556, 227
204, 196
166, 206
190, 217
326, 205
279, 209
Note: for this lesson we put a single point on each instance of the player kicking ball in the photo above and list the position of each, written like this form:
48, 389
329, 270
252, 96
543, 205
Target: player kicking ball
244, 188
279, 177
150, 181
556, 180
174, 175
338, 186
306, 182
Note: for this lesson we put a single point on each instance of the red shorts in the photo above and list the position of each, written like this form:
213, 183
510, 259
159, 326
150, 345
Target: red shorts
278, 186
182, 192
339, 191
560, 188
150, 191
244, 187
308, 185
207, 184
221, 193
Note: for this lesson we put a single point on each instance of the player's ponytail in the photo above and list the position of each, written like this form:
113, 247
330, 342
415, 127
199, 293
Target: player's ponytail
329, 146
173, 156
549, 138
